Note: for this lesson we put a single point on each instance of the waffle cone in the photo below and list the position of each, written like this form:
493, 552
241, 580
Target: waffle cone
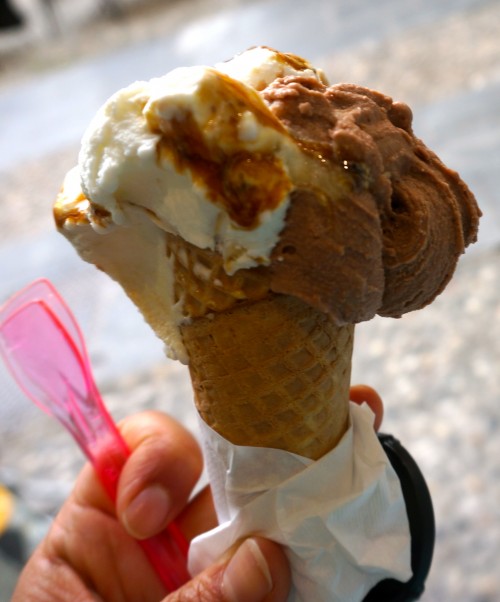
267, 370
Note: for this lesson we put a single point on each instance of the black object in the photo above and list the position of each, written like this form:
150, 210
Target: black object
422, 527
12, 545
9, 17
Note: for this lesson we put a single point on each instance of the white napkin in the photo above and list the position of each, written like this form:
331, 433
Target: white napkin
342, 518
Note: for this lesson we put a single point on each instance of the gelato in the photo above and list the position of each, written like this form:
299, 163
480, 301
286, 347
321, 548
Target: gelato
209, 189
254, 214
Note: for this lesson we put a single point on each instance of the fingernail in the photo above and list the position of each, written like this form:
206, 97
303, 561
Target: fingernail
247, 577
147, 513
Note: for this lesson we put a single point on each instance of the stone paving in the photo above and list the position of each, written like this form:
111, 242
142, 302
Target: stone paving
437, 369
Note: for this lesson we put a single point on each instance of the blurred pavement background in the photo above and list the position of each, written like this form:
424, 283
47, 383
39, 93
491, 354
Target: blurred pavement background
437, 369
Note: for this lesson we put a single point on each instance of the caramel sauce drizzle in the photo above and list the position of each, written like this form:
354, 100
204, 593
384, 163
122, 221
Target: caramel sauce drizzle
245, 183
77, 214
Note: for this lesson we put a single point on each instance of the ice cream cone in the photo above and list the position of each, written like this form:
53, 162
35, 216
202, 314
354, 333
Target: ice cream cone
267, 370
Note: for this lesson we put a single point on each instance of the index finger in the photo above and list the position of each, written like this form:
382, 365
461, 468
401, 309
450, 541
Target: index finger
157, 480
162, 452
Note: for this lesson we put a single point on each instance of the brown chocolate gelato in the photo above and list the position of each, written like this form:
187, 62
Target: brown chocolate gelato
391, 243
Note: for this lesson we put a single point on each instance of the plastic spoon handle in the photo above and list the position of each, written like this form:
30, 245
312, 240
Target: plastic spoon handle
166, 551
45, 352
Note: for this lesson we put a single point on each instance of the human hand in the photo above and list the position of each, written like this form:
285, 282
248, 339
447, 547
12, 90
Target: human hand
89, 556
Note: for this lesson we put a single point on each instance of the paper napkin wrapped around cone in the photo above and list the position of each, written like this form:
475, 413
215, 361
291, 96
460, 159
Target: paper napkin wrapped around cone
342, 519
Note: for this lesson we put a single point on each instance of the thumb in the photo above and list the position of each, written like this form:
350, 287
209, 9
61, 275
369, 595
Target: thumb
256, 571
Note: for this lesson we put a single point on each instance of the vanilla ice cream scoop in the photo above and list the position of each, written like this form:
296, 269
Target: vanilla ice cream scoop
199, 150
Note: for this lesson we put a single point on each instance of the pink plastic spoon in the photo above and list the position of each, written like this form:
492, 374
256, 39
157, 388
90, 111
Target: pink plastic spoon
44, 349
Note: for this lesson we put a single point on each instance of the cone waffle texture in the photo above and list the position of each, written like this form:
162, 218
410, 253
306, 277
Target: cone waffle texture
202, 284
267, 370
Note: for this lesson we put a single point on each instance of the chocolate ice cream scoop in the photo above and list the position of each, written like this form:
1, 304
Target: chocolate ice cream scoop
391, 242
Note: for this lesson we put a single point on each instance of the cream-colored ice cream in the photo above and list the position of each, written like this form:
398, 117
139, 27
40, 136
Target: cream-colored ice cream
195, 153
191, 148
